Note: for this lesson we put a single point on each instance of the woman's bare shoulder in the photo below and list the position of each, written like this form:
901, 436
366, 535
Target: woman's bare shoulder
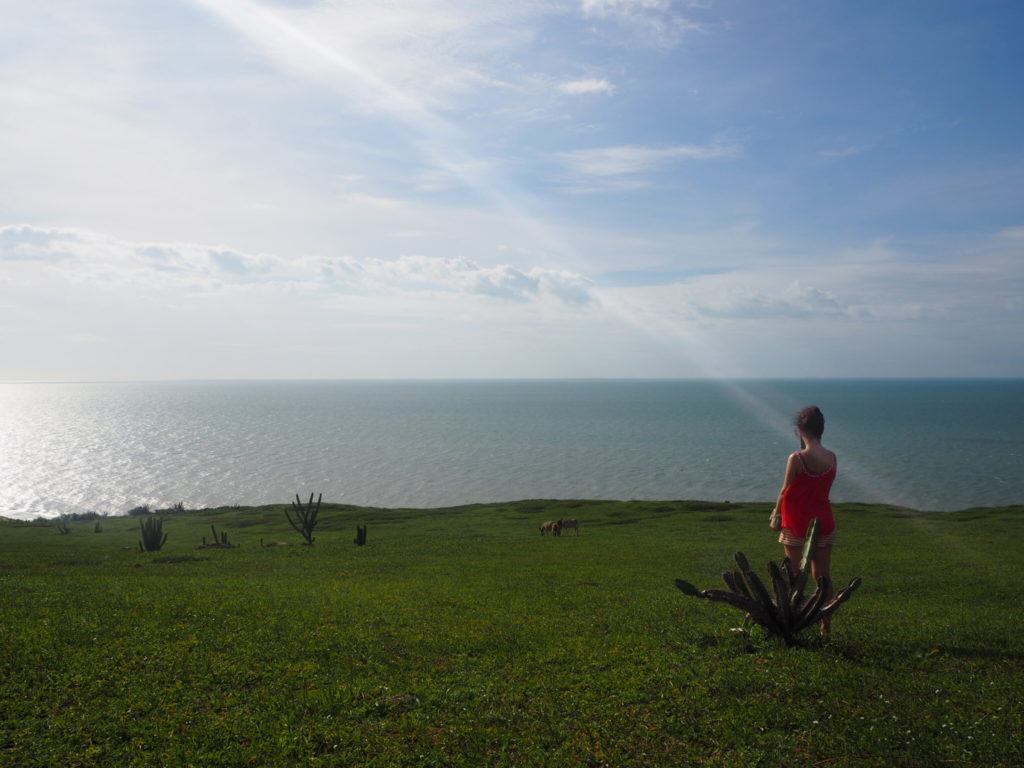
794, 465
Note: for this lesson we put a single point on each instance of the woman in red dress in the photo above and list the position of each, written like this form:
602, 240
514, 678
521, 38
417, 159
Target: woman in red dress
804, 496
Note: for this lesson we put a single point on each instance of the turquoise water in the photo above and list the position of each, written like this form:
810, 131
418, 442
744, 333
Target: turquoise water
109, 447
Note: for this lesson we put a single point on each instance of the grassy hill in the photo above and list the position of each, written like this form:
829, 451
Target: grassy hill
461, 637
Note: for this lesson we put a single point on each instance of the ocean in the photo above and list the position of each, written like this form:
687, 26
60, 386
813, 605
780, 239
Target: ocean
109, 447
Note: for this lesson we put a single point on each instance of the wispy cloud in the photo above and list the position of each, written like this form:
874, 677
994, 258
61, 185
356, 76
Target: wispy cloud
388, 61
409, 58
650, 22
859, 315
795, 300
618, 168
159, 310
452, 276
853, 289
630, 159
847, 151
30, 244
588, 86
325, 43
88, 258
625, 7
857, 308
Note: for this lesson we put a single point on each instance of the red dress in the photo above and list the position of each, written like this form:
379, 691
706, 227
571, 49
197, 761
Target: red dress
805, 499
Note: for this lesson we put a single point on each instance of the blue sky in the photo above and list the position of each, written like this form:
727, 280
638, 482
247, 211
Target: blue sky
447, 188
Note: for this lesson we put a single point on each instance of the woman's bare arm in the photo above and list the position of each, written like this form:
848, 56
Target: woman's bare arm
792, 470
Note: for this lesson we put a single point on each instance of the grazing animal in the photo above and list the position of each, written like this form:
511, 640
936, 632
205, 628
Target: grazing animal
569, 523
549, 527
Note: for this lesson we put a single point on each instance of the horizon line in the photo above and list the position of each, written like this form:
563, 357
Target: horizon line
498, 379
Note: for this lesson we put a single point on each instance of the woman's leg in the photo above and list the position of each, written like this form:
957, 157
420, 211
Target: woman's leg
794, 554
821, 567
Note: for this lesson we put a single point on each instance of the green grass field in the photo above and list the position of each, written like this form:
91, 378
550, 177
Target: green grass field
461, 637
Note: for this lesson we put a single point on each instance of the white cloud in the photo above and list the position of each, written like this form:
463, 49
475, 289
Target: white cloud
86, 258
580, 87
378, 202
109, 308
182, 309
29, 244
847, 317
841, 152
792, 301
611, 165
624, 7
648, 22
854, 289
452, 276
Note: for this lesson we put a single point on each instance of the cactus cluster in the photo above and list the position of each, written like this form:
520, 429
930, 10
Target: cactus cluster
305, 516
219, 541
785, 611
152, 532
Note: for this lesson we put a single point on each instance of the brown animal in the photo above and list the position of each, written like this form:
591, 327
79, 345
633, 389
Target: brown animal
549, 527
569, 523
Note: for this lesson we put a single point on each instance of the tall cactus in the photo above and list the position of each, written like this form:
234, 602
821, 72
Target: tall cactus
305, 516
153, 536
785, 611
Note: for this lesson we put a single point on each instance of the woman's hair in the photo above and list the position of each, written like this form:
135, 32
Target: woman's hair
810, 421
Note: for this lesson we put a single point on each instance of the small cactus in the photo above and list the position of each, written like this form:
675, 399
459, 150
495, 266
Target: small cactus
785, 612
153, 536
219, 541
